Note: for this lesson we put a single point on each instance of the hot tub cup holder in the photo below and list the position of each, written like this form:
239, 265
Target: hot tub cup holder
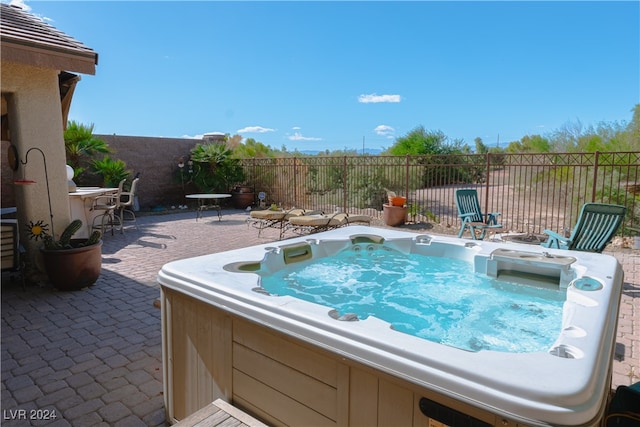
574, 332
587, 284
423, 239
347, 317
566, 352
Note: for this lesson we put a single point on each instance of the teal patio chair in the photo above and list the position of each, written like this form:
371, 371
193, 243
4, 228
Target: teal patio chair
596, 226
471, 216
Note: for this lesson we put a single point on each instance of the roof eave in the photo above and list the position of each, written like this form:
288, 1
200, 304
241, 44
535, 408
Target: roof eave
34, 54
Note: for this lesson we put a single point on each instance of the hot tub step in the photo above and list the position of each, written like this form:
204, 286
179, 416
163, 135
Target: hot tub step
220, 413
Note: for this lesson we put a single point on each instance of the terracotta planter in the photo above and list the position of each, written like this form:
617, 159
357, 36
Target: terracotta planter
397, 200
73, 269
394, 215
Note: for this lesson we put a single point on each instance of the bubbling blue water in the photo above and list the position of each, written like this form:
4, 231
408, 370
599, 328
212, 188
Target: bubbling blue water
438, 299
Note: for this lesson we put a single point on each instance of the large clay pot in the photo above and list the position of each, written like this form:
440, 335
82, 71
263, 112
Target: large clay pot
241, 200
242, 197
394, 215
73, 269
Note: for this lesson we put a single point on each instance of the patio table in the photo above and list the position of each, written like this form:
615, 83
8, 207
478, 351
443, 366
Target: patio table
208, 201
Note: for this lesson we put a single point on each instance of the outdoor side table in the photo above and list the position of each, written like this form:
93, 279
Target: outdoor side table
208, 201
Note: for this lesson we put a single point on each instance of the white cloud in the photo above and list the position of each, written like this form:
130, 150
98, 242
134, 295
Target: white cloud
298, 137
384, 130
21, 4
374, 99
296, 128
255, 129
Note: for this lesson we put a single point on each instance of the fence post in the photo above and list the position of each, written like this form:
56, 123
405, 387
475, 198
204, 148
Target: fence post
295, 182
253, 173
486, 187
595, 177
406, 178
345, 187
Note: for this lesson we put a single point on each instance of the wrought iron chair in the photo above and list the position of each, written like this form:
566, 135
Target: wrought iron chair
596, 226
471, 215
125, 203
107, 204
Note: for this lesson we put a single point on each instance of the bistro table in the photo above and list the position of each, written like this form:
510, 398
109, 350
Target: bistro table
80, 203
208, 201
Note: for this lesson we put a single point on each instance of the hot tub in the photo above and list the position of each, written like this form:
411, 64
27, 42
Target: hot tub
296, 362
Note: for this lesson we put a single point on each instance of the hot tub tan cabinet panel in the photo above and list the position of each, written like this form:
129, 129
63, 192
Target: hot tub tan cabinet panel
198, 351
278, 379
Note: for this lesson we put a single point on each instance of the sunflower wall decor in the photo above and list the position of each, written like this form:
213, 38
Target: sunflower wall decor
37, 230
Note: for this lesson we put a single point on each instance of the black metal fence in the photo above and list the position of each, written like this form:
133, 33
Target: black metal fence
532, 192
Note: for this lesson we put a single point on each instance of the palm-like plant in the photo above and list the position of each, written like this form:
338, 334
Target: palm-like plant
214, 167
80, 145
112, 170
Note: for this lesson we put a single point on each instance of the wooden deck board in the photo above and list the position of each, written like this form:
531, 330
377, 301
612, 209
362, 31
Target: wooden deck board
220, 414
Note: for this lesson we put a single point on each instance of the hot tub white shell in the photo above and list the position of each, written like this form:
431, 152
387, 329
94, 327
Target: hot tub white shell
538, 389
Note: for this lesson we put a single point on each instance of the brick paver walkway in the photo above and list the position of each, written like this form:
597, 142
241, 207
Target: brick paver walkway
93, 357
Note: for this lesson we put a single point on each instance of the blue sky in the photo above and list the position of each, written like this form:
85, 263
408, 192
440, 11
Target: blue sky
330, 75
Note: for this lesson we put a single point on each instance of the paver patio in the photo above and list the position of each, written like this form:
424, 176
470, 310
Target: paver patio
93, 357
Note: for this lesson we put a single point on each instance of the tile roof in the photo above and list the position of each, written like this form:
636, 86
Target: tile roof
26, 38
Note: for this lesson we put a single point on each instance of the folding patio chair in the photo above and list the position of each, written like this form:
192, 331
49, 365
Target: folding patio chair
624, 408
471, 216
596, 226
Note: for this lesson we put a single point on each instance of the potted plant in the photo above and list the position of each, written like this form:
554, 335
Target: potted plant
72, 264
395, 212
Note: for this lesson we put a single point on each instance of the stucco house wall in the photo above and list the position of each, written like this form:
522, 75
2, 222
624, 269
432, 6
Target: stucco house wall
35, 118
35, 56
